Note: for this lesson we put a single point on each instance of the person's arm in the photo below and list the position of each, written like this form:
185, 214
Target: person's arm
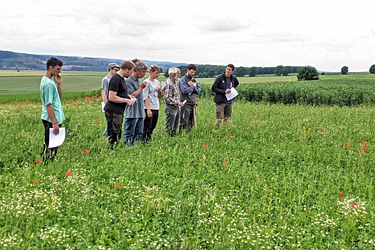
104, 96
185, 88
112, 96
58, 80
146, 94
197, 89
215, 87
147, 105
235, 82
52, 117
139, 90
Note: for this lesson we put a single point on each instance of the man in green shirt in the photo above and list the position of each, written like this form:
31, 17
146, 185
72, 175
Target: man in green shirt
52, 112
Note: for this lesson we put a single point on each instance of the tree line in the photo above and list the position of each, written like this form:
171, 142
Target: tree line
211, 71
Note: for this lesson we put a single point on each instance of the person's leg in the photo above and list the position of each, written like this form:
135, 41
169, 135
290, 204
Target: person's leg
170, 119
219, 114
154, 121
48, 153
176, 120
129, 134
227, 114
138, 131
147, 127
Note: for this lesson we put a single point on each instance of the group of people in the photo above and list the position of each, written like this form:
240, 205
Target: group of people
124, 93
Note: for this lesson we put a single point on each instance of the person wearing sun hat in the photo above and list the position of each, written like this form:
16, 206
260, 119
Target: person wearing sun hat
112, 69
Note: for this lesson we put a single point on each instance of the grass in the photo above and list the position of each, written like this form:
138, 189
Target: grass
271, 179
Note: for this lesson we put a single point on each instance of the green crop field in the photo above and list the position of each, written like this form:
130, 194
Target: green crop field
293, 176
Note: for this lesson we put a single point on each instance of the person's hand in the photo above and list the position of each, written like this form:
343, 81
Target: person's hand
143, 85
158, 90
149, 113
129, 102
58, 79
181, 104
56, 128
227, 91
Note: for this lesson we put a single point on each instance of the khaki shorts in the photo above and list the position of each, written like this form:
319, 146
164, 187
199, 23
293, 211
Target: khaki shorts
223, 110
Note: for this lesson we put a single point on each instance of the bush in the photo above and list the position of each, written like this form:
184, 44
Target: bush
344, 70
307, 73
372, 69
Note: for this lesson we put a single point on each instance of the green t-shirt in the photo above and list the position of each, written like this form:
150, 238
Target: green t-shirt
50, 95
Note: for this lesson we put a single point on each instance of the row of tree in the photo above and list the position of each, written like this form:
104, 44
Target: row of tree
210, 71
310, 73
345, 69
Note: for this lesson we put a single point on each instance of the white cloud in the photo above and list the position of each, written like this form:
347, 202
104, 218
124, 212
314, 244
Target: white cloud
325, 34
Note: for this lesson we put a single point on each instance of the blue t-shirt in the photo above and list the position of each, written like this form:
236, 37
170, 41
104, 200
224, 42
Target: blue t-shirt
137, 110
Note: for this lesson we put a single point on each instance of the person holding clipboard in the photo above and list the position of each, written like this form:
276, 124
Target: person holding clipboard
52, 112
223, 85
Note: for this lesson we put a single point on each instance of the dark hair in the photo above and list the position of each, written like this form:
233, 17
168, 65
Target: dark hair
53, 61
231, 66
192, 66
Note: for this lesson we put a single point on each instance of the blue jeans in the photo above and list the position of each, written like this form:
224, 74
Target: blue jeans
133, 130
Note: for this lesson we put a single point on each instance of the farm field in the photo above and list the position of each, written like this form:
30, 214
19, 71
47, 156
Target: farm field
278, 177
28, 82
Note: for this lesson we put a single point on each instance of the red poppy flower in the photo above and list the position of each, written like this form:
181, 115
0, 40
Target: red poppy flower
256, 123
99, 120
346, 144
229, 134
85, 151
249, 122
298, 100
364, 148
297, 106
260, 113
212, 124
38, 161
205, 146
309, 123
355, 205
98, 123
27, 134
321, 128
117, 186
341, 194
69, 173
34, 181
185, 148
364, 143
226, 164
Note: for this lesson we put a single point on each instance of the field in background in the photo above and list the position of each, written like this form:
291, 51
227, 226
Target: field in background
28, 82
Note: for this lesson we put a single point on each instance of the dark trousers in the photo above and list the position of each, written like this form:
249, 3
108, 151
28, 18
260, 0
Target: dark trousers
48, 153
172, 114
149, 125
114, 122
187, 117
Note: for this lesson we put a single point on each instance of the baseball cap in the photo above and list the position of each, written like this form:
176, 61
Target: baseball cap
112, 65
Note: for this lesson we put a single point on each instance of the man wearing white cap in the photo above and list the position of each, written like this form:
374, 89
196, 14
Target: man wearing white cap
112, 69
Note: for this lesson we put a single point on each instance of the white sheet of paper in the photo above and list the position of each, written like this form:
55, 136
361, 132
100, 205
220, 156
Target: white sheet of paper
56, 140
103, 105
233, 93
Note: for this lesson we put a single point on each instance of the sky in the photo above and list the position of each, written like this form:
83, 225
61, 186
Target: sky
326, 34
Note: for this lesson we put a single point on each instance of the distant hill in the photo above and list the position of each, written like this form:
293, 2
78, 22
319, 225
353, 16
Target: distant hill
21, 61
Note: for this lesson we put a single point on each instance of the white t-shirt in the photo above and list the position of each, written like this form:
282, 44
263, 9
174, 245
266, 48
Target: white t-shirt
151, 94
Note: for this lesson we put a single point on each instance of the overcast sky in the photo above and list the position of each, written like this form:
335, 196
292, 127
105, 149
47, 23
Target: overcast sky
326, 34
